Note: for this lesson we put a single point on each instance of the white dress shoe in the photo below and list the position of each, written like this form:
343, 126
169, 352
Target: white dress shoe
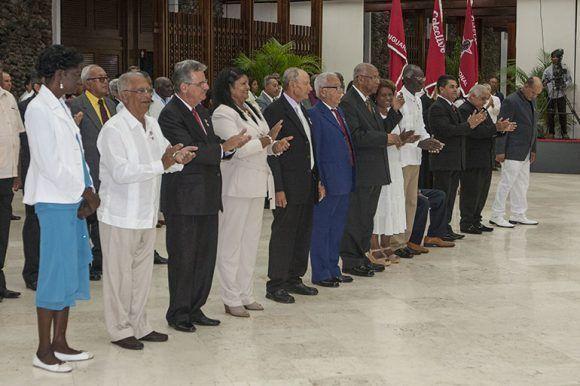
523, 220
57, 368
500, 222
82, 356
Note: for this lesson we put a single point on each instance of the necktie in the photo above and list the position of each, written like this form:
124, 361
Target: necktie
103, 111
345, 134
369, 105
306, 127
198, 119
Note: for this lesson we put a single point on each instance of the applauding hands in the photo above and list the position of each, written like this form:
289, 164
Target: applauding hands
178, 154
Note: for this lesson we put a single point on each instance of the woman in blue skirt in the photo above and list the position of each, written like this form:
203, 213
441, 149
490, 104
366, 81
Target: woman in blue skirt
60, 188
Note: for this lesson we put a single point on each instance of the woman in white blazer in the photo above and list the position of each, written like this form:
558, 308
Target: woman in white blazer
59, 186
246, 181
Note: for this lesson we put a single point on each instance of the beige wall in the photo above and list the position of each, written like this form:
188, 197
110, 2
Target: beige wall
557, 17
342, 29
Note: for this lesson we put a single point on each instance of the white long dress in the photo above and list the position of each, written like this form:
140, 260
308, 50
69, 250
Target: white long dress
390, 217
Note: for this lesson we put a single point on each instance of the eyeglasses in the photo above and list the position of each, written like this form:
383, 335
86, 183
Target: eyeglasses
337, 88
198, 84
374, 77
141, 91
101, 79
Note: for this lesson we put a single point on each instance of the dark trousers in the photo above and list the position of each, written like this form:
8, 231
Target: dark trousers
192, 246
31, 245
289, 246
448, 182
328, 224
475, 185
6, 195
425, 174
430, 202
356, 240
557, 105
93, 224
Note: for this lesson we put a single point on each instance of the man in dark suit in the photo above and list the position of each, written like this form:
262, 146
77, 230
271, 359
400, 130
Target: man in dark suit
516, 151
296, 190
31, 227
479, 161
270, 92
335, 158
97, 108
448, 127
370, 135
191, 199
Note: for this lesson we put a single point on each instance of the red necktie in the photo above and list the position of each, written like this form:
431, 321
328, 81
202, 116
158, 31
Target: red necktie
198, 119
345, 134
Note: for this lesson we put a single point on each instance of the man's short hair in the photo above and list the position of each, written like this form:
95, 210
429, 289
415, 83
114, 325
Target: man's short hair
268, 78
444, 81
182, 72
125, 79
322, 81
290, 75
361, 68
85, 73
114, 86
159, 81
478, 90
530, 82
410, 70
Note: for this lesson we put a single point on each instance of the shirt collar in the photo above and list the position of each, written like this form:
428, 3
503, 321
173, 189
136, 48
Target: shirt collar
131, 120
267, 96
330, 108
292, 102
445, 99
92, 98
184, 102
408, 94
363, 96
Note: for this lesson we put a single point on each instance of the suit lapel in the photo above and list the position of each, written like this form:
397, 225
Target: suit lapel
291, 113
90, 112
192, 125
370, 118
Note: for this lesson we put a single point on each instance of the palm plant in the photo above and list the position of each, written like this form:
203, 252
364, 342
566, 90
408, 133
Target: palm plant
276, 57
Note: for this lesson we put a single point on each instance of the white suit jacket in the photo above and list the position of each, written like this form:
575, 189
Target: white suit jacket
56, 171
247, 173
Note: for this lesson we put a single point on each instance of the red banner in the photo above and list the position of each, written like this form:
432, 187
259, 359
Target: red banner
436, 55
396, 44
468, 71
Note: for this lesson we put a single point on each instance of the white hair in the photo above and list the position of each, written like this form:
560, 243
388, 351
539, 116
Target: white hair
182, 72
125, 79
478, 90
322, 81
290, 75
87, 70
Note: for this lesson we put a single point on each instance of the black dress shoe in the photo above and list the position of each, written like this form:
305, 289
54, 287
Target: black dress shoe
94, 276
302, 289
202, 320
7, 294
330, 283
361, 270
14, 218
280, 296
377, 267
457, 236
404, 253
155, 336
483, 228
158, 259
31, 285
130, 343
343, 279
472, 230
182, 326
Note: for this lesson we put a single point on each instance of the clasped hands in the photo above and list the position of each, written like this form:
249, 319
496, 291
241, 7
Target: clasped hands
178, 154
406, 136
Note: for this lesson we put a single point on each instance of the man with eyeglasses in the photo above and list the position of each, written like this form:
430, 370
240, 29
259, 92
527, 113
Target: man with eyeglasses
97, 109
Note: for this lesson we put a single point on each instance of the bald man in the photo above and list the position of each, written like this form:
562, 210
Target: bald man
516, 151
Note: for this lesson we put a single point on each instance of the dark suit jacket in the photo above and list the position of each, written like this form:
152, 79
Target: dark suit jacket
90, 128
426, 103
369, 133
517, 144
448, 127
291, 170
24, 148
197, 189
331, 151
479, 143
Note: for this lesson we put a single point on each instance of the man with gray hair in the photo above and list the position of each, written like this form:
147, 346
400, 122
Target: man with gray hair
476, 178
97, 109
270, 92
191, 198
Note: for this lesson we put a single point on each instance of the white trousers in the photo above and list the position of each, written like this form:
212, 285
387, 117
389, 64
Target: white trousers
240, 226
514, 182
127, 270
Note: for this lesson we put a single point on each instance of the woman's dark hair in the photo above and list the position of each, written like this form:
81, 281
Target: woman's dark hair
57, 57
222, 94
384, 83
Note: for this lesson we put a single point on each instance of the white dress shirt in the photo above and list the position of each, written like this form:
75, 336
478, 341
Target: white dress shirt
298, 109
26, 94
156, 106
56, 173
130, 171
10, 128
412, 119
494, 111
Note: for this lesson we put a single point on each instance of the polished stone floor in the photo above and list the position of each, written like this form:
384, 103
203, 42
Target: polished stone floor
502, 309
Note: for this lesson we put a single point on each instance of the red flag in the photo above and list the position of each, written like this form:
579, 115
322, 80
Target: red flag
468, 71
396, 44
436, 55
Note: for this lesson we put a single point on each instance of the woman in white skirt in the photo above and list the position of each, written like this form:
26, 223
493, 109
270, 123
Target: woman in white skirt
390, 218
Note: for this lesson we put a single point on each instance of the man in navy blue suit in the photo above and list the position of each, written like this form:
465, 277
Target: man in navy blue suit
335, 159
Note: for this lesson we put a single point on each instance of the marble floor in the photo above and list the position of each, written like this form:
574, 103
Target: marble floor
502, 309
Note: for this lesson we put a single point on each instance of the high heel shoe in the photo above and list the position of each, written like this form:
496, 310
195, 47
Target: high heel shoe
238, 311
